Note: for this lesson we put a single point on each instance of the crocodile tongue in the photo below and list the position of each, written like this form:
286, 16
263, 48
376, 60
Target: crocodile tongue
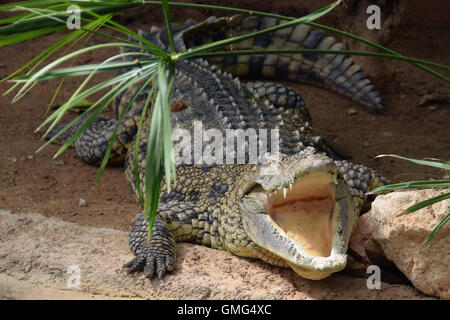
308, 225
305, 212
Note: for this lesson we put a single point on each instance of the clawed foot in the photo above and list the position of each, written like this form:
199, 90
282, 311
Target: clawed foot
152, 264
156, 257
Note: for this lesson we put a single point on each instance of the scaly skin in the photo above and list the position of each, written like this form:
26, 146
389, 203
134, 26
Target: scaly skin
205, 206
236, 207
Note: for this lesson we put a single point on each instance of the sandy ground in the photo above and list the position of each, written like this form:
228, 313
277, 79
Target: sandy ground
32, 182
34, 264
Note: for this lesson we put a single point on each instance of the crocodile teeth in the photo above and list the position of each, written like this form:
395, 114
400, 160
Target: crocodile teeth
285, 192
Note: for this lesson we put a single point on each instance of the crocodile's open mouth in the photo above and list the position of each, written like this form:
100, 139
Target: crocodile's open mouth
299, 208
305, 211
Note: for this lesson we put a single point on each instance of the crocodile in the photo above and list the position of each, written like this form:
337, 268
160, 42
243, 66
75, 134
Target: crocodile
295, 208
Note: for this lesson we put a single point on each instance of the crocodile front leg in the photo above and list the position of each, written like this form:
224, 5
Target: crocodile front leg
158, 255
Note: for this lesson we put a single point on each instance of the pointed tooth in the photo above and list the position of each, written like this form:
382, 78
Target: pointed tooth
284, 192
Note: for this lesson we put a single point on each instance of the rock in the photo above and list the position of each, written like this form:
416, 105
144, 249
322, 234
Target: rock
351, 112
360, 237
401, 238
364, 251
82, 203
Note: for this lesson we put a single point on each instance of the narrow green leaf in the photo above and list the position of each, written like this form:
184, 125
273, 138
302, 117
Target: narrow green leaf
42, 56
317, 51
440, 165
88, 92
166, 11
119, 123
85, 37
30, 4
111, 95
87, 69
122, 29
313, 24
23, 36
427, 202
413, 185
57, 115
155, 144
222, 43
50, 66
150, 98
58, 18
439, 226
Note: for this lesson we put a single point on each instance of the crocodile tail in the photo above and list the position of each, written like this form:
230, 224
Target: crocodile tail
335, 72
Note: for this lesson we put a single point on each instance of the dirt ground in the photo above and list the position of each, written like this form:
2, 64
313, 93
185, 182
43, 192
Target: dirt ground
35, 182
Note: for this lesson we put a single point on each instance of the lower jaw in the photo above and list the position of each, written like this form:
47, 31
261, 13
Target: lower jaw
312, 274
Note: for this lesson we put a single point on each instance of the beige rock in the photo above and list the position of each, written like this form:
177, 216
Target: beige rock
360, 237
364, 251
402, 236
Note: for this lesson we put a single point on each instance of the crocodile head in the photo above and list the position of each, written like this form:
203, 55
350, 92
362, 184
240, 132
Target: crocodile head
299, 208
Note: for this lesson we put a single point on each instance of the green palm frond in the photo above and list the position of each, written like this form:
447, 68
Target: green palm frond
155, 68
421, 185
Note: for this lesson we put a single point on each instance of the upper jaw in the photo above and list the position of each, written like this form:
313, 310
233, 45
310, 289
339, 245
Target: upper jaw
281, 224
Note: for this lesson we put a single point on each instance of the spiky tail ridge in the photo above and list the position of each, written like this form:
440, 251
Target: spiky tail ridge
335, 72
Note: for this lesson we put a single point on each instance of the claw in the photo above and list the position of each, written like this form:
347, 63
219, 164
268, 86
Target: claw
150, 268
134, 265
